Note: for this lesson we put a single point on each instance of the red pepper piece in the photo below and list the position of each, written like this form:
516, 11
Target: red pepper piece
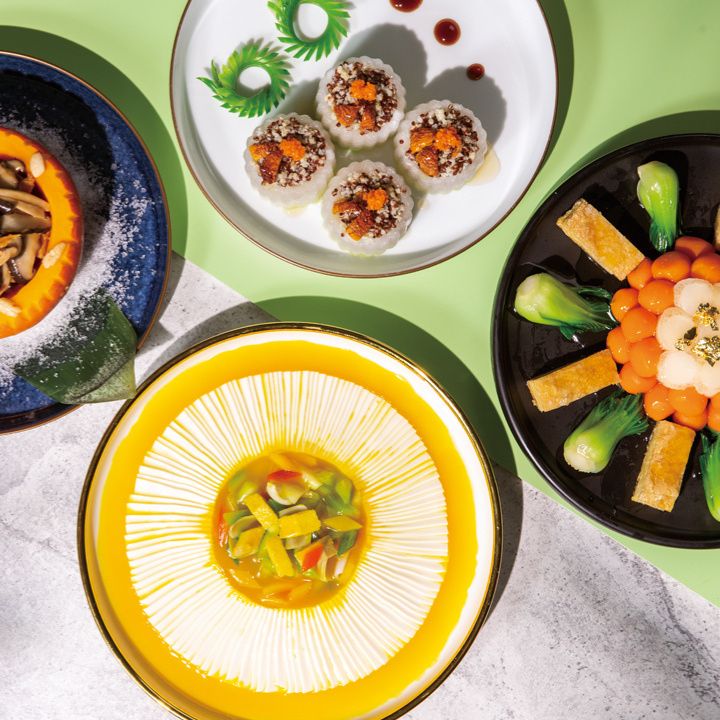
312, 557
284, 475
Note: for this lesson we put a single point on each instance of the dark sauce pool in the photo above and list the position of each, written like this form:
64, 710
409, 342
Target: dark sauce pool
475, 71
447, 32
406, 5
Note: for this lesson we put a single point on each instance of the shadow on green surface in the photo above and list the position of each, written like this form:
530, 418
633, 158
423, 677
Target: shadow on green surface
692, 121
559, 23
120, 90
419, 346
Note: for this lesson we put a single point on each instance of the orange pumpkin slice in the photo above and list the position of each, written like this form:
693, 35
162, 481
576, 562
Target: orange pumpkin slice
36, 298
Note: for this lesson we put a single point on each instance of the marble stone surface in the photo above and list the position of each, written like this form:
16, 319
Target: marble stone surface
581, 628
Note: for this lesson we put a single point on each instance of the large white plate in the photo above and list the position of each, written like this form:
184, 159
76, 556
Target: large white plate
515, 101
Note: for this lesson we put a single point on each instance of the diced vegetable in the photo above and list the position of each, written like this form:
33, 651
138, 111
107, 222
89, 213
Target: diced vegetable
240, 487
347, 542
289, 539
308, 557
282, 461
710, 466
284, 492
310, 498
245, 578
300, 541
242, 524
278, 588
300, 523
234, 483
279, 557
344, 488
316, 479
591, 445
331, 498
262, 511
341, 523
247, 543
284, 475
275, 506
299, 592
543, 299
658, 192
235, 515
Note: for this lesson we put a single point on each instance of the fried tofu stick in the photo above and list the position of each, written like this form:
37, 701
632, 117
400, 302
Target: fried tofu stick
572, 382
600, 239
658, 484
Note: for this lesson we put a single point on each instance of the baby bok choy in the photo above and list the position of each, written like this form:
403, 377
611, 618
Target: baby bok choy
591, 445
658, 192
545, 300
710, 467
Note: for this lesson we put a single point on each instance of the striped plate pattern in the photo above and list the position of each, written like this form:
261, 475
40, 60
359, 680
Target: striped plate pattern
186, 595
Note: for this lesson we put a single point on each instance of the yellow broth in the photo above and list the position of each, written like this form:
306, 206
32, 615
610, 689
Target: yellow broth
291, 567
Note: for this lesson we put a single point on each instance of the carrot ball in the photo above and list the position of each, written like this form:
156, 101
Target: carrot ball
707, 267
672, 265
693, 247
641, 275
656, 403
622, 301
618, 346
638, 324
632, 383
657, 296
644, 357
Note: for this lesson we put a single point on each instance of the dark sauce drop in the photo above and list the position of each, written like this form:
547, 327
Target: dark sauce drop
406, 5
447, 32
475, 71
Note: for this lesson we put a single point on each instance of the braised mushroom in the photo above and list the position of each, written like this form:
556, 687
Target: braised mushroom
18, 222
24, 222
5, 279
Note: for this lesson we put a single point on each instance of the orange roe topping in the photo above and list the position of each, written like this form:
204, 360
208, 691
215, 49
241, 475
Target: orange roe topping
362, 90
375, 199
447, 139
292, 148
258, 151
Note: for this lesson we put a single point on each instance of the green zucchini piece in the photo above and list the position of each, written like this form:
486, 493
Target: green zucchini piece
242, 524
344, 488
235, 515
347, 541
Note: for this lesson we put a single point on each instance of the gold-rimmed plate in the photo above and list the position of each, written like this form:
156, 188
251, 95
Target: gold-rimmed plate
515, 100
374, 649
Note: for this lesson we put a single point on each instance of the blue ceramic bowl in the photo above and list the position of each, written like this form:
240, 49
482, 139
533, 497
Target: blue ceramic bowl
96, 134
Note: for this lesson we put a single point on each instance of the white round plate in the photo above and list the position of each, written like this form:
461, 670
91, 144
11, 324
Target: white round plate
515, 101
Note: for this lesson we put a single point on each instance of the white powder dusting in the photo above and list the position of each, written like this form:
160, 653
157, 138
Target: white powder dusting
108, 230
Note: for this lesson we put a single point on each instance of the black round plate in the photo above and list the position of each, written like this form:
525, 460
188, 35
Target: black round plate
522, 350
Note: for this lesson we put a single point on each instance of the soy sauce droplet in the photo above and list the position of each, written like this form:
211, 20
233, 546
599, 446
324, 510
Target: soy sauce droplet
447, 32
406, 5
476, 71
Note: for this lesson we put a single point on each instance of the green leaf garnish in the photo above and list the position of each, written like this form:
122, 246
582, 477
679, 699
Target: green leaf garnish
224, 80
285, 12
93, 362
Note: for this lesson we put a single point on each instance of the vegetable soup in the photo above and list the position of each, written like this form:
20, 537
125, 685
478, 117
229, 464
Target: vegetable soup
288, 529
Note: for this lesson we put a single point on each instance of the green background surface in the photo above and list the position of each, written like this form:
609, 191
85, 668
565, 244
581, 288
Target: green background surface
628, 69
